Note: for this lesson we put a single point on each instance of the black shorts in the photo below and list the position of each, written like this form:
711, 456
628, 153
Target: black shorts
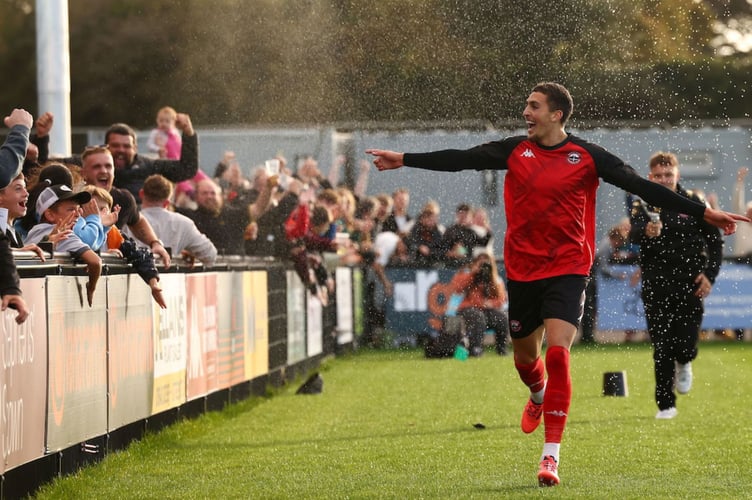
530, 302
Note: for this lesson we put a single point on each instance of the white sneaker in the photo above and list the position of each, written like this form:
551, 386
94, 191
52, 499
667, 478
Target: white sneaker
683, 377
667, 414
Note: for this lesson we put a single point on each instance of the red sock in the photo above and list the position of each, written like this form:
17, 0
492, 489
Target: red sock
558, 393
532, 375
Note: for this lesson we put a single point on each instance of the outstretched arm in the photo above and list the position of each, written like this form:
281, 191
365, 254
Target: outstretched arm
156, 292
386, 160
94, 270
13, 150
362, 182
41, 139
616, 172
725, 221
143, 231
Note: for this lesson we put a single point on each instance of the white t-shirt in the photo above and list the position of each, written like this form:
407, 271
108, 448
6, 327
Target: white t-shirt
384, 245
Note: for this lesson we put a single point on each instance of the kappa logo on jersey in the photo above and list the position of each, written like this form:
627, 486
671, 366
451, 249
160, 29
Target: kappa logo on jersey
574, 158
528, 153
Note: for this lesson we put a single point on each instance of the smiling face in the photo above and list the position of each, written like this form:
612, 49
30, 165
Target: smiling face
208, 196
98, 170
14, 197
544, 126
665, 174
123, 149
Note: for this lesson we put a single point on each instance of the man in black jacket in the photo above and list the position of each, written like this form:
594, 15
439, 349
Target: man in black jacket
680, 257
269, 236
460, 239
226, 225
132, 169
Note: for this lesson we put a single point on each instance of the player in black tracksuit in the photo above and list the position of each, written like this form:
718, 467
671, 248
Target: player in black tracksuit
680, 257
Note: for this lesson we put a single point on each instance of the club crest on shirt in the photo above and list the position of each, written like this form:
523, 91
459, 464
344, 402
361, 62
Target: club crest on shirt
574, 158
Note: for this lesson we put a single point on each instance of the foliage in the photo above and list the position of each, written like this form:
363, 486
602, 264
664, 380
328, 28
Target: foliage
326, 61
395, 425
17, 55
122, 54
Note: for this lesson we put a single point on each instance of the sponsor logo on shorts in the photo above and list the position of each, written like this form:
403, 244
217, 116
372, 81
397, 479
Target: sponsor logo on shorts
515, 325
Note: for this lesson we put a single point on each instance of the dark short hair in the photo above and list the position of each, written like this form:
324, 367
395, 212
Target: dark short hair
558, 98
320, 215
119, 129
463, 207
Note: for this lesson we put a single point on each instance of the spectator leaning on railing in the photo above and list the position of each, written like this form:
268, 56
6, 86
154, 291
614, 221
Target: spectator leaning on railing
59, 207
88, 227
140, 259
13, 198
98, 170
226, 226
178, 232
12, 154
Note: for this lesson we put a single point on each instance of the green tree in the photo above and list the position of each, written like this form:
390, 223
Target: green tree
17, 56
272, 63
123, 54
347, 61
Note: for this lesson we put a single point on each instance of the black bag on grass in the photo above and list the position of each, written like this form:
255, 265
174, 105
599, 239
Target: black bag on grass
444, 344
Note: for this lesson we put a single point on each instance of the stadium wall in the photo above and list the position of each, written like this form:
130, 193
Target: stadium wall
79, 382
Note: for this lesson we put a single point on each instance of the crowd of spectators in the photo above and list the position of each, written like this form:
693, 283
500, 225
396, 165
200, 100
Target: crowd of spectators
243, 215
161, 206
164, 203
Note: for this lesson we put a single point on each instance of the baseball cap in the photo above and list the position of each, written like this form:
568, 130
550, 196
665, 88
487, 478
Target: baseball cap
59, 192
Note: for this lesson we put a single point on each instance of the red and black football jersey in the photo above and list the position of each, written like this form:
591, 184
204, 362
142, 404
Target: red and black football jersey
549, 197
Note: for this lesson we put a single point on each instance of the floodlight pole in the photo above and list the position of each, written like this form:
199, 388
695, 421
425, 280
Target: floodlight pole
53, 71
